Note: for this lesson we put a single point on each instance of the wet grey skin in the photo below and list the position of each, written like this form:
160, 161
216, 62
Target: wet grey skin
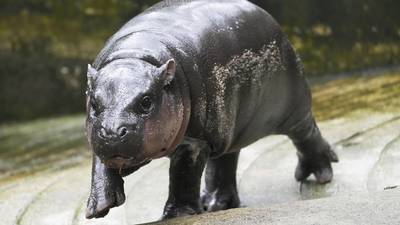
196, 81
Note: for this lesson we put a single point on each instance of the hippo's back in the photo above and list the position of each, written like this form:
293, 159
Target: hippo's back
193, 25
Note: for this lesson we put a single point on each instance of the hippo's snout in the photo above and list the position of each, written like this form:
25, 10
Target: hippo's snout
118, 142
113, 135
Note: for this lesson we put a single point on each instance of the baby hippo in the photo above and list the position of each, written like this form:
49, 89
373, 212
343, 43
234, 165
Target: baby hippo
196, 81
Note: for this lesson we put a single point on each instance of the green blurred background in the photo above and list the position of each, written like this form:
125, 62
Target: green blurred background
45, 45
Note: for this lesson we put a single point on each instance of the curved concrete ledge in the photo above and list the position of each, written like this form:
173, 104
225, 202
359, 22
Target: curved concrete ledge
376, 208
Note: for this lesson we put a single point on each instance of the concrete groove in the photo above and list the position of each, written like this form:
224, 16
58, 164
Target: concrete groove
59, 200
359, 133
388, 147
132, 189
148, 206
241, 172
39, 139
81, 207
21, 215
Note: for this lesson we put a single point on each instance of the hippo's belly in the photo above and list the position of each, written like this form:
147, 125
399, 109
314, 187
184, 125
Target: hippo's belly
244, 102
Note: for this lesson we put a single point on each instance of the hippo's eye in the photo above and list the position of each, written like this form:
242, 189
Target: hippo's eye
145, 104
95, 106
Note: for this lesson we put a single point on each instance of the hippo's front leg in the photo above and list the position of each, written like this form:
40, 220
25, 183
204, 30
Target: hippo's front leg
186, 168
107, 190
221, 192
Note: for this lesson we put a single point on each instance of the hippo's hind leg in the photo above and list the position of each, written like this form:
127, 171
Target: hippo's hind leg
221, 191
314, 153
186, 167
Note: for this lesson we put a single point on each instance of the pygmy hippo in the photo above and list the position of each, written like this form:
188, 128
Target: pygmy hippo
196, 81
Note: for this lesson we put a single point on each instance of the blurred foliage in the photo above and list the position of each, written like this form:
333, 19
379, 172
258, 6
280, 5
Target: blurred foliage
341, 35
46, 44
42, 144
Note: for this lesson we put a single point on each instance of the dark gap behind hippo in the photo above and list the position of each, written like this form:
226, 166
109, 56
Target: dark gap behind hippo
196, 81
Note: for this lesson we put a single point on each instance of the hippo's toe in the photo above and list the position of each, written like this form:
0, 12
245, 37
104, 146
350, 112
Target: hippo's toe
320, 166
173, 210
220, 199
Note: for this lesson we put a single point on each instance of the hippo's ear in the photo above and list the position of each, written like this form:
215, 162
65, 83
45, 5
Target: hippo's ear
91, 73
168, 71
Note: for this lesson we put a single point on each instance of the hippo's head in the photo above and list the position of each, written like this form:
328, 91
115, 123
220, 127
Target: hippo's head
135, 112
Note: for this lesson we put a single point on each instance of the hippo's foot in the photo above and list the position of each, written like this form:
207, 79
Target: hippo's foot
101, 200
220, 199
173, 210
317, 164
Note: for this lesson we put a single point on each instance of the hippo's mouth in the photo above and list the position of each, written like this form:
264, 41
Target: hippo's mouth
119, 162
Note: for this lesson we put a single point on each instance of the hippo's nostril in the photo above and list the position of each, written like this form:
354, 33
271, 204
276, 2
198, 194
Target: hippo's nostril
122, 131
102, 133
